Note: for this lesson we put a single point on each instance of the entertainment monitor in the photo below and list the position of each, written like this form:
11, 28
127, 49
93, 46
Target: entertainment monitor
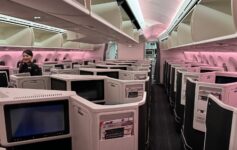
122, 68
225, 79
86, 62
3, 79
57, 84
7, 71
27, 121
91, 90
114, 75
82, 72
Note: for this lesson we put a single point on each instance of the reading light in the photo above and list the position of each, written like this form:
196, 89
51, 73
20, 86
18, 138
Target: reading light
37, 17
18, 21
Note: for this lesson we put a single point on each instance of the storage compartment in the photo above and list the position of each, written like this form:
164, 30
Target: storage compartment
15, 35
110, 12
212, 19
184, 30
43, 38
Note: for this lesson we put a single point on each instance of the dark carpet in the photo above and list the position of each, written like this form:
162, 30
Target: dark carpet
163, 134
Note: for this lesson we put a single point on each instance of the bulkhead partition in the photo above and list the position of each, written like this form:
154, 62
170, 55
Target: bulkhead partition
30, 82
100, 127
123, 91
64, 71
221, 125
194, 127
115, 91
180, 98
172, 96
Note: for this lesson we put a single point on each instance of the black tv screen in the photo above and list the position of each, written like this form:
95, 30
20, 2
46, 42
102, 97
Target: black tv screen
59, 66
57, 84
224, 79
3, 79
82, 72
75, 63
109, 74
122, 68
101, 67
36, 120
7, 71
90, 89
86, 62
206, 70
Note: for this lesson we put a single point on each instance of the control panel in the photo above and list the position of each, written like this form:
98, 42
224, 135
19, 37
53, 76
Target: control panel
134, 91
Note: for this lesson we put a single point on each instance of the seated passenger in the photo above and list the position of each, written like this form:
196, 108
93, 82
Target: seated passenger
26, 64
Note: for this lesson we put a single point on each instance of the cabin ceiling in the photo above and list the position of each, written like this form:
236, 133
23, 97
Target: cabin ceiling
157, 16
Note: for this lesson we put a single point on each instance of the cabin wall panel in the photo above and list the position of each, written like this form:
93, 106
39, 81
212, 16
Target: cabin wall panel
134, 52
225, 59
11, 55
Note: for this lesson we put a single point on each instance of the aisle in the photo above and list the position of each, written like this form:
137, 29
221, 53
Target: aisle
162, 127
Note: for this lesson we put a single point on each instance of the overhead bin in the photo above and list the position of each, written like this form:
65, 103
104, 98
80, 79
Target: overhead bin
211, 19
164, 44
70, 44
68, 39
184, 30
127, 27
234, 12
110, 12
15, 35
208, 23
71, 40
86, 46
43, 38
72, 36
136, 34
79, 18
169, 42
174, 38
184, 34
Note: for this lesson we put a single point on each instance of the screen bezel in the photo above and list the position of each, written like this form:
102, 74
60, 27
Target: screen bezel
8, 123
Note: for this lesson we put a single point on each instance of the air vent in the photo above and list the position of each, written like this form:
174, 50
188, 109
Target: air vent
39, 96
